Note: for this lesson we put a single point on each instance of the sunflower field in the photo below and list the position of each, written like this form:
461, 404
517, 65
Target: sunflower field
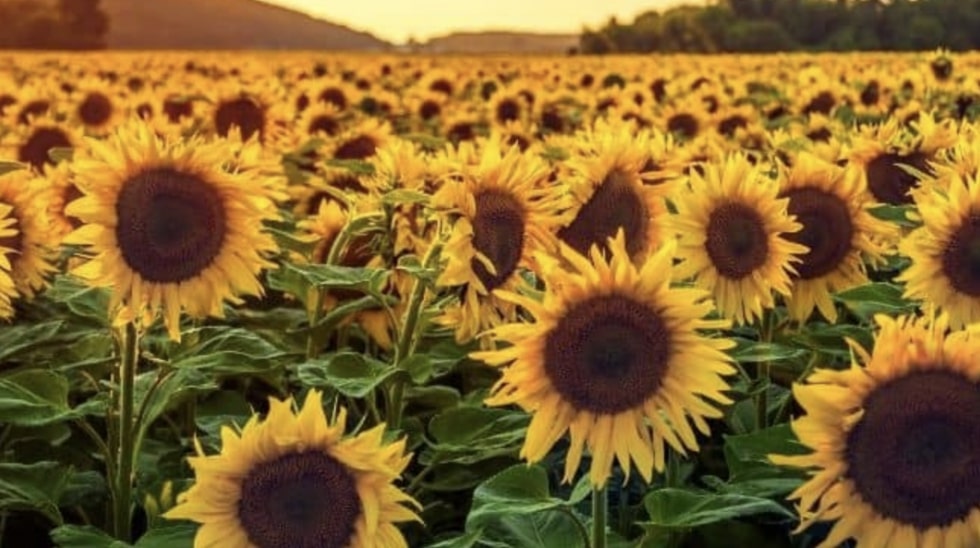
310, 300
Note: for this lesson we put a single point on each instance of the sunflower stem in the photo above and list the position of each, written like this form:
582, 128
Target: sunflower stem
312, 347
599, 508
407, 337
126, 450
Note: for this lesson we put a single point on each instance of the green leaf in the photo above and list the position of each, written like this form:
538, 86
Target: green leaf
402, 196
470, 434
60, 154
227, 350
7, 167
169, 536
755, 352
419, 367
298, 279
351, 373
679, 508
520, 489
18, 338
175, 387
875, 298
77, 536
222, 408
33, 487
34, 398
554, 529
467, 540
746, 453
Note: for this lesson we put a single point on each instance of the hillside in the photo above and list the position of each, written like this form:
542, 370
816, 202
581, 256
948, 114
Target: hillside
500, 42
225, 24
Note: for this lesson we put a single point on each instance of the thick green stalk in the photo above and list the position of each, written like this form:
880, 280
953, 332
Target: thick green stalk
126, 450
599, 510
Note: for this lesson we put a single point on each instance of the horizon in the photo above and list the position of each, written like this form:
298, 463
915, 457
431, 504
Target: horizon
397, 22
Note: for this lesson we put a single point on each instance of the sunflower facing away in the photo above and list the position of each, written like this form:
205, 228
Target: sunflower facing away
35, 242
8, 235
295, 480
167, 226
501, 216
614, 357
945, 251
896, 443
840, 233
734, 237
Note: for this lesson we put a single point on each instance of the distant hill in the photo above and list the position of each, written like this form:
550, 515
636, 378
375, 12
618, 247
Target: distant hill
500, 42
225, 24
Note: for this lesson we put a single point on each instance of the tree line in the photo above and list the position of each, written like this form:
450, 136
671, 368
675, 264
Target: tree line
64, 24
793, 25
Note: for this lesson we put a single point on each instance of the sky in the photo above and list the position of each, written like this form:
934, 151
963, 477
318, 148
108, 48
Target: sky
397, 20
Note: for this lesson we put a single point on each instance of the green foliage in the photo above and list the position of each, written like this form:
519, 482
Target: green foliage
787, 25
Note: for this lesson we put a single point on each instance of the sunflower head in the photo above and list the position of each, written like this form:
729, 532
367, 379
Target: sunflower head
895, 441
838, 230
734, 237
501, 214
615, 358
295, 479
170, 225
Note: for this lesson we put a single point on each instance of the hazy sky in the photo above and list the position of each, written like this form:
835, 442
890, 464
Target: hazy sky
396, 20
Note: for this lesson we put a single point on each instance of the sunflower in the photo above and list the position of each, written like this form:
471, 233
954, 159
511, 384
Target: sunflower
734, 237
614, 357
95, 107
501, 215
884, 153
8, 237
361, 142
32, 143
608, 192
170, 228
34, 245
896, 443
250, 111
833, 207
294, 479
945, 251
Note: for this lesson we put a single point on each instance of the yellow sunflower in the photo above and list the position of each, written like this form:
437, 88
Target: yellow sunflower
167, 226
32, 143
8, 236
896, 443
294, 479
615, 358
945, 251
733, 233
34, 244
608, 192
885, 152
501, 215
832, 205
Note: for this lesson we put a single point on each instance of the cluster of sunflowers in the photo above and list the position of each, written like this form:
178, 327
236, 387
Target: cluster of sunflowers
628, 248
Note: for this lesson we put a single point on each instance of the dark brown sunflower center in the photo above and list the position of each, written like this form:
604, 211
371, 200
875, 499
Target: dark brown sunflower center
819, 135
241, 112
95, 109
429, 109
823, 103
736, 240
827, 230
870, 94
614, 205
888, 182
175, 109
324, 123
299, 500
32, 109
6, 100
731, 124
358, 148
335, 97
552, 120
508, 110
461, 131
961, 258
498, 233
442, 86
683, 124
608, 354
35, 150
915, 454
171, 225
